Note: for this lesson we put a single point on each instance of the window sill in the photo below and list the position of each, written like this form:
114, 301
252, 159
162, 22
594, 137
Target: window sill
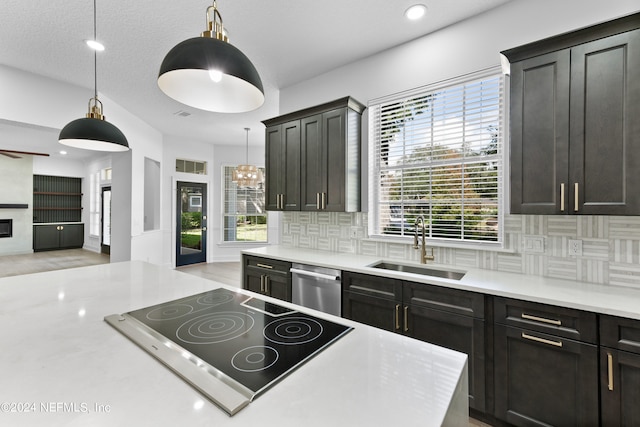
438, 243
242, 244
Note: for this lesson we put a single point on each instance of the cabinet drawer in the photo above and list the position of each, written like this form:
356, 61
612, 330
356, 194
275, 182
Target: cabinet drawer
380, 287
267, 265
449, 300
559, 321
620, 333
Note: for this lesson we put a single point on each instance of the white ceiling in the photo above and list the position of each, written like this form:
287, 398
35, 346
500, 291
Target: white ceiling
287, 40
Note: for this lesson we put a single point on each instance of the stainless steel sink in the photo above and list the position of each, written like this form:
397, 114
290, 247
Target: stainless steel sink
415, 269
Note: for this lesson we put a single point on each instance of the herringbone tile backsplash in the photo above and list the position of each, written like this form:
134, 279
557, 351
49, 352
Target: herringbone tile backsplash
610, 245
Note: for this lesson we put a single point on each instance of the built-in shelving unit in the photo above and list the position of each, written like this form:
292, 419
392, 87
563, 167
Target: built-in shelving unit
57, 199
57, 213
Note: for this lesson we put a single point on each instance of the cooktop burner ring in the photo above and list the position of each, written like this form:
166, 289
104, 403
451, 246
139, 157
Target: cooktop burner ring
293, 330
170, 312
255, 358
214, 299
213, 328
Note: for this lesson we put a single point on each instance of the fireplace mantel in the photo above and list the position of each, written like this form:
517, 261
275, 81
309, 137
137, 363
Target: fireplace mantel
14, 206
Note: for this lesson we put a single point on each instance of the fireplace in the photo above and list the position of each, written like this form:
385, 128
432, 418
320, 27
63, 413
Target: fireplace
6, 228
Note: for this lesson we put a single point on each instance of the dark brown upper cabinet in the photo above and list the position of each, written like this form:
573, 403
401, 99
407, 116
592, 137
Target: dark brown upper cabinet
575, 134
315, 166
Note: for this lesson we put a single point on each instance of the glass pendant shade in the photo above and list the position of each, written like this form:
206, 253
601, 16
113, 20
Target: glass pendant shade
209, 73
247, 176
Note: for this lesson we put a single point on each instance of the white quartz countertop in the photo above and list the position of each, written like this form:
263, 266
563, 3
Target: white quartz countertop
62, 365
603, 299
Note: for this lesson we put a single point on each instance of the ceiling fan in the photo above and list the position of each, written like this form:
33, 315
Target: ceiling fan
13, 154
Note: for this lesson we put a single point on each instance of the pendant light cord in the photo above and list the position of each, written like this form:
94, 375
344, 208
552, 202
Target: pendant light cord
95, 54
247, 155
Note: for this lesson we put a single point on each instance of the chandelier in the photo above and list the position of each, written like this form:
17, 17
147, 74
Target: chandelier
247, 175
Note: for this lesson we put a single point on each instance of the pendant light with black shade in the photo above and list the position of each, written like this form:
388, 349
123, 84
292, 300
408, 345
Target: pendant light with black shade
247, 175
93, 132
209, 73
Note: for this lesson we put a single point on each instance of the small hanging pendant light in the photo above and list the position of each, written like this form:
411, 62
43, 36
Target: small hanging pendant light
247, 175
209, 73
93, 132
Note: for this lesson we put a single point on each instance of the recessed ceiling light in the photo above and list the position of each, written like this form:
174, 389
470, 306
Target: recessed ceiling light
64, 153
415, 12
95, 45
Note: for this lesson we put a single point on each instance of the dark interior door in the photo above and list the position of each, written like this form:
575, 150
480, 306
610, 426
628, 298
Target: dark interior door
191, 223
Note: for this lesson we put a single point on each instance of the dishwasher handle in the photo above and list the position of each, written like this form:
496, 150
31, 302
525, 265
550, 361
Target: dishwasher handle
314, 274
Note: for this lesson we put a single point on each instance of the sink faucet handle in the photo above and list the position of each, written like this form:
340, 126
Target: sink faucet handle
431, 256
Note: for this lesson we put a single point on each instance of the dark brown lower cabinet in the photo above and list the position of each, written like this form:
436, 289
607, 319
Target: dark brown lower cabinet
267, 277
57, 236
407, 308
620, 371
544, 380
619, 388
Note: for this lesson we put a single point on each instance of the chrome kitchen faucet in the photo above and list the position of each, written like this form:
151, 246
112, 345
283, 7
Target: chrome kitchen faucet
423, 248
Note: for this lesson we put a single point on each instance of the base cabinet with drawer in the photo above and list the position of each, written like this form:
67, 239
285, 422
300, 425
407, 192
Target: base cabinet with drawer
449, 318
267, 277
545, 365
619, 371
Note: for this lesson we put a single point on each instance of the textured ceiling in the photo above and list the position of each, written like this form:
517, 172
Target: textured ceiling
287, 40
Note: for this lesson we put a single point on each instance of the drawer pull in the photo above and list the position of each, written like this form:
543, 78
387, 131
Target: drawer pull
406, 318
541, 319
610, 371
397, 316
265, 266
562, 197
542, 340
576, 197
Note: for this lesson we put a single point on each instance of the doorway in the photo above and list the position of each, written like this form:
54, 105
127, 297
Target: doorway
105, 221
191, 223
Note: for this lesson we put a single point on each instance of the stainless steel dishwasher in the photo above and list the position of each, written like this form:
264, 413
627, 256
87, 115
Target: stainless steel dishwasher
319, 288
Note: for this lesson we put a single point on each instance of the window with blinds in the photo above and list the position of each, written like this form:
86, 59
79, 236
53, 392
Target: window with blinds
244, 217
437, 152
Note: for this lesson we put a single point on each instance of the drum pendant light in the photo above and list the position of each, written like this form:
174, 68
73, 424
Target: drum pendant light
247, 175
93, 132
209, 73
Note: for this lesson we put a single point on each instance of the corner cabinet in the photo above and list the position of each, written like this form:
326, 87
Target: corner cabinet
267, 277
313, 158
446, 317
575, 140
619, 371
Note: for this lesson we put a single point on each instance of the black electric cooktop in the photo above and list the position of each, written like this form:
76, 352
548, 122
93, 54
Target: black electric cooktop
221, 340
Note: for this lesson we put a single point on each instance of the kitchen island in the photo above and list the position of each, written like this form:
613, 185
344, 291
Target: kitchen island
62, 365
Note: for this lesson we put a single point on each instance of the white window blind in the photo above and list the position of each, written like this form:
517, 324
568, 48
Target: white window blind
437, 152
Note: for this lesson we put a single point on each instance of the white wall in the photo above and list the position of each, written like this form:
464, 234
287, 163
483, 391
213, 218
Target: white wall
16, 187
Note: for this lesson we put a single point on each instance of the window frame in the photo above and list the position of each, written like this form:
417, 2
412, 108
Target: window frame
224, 214
375, 142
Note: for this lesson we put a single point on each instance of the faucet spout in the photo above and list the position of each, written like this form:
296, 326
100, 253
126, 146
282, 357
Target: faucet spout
423, 247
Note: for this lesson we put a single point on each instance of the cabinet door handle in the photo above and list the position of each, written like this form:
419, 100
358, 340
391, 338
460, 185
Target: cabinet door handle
575, 197
324, 201
562, 197
282, 201
406, 318
610, 371
265, 266
318, 201
397, 316
541, 319
542, 340
266, 285
262, 283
